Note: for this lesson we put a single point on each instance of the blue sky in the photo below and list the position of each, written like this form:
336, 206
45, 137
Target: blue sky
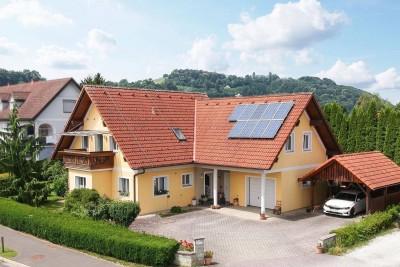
353, 42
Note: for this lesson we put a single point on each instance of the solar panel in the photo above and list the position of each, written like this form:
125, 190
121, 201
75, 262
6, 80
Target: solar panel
259, 111
248, 129
237, 112
237, 128
259, 120
283, 110
248, 112
272, 129
259, 129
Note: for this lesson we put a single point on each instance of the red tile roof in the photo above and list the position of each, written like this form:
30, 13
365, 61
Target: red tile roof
374, 169
37, 96
141, 122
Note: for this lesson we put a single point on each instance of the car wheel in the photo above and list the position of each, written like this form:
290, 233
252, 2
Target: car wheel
352, 213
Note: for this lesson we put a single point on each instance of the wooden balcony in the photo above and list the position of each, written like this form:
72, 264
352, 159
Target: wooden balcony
83, 160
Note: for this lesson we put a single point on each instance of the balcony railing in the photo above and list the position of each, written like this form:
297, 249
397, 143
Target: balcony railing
81, 159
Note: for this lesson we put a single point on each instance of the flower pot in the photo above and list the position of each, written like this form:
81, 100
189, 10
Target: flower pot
262, 216
319, 250
194, 202
207, 261
236, 202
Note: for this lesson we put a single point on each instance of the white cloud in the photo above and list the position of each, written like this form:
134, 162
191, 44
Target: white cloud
8, 48
355, 74
101, 42
32, 13
203, 56
388, 79
306, 56
61, 58
288, 29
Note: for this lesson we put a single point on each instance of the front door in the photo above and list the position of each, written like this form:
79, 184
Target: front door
227, 182
208, 184
255, 192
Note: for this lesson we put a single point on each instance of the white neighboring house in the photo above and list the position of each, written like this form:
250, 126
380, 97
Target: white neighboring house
46, 104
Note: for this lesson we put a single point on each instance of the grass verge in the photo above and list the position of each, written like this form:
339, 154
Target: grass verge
8, 253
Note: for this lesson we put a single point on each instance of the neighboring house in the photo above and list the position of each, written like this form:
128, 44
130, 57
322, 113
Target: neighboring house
45, 104
163, 148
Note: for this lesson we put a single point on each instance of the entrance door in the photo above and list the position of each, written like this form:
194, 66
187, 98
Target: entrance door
255, 192
227, 185
208, 184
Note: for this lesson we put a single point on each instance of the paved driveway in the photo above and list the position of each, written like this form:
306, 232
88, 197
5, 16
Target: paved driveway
237, 236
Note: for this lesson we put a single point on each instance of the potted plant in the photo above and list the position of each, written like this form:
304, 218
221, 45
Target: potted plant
236, 202
319, 249
204, 198
194, 201
214, 207
262, 215
208, 257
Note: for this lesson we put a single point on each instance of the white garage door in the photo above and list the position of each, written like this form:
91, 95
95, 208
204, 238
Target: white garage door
255, 192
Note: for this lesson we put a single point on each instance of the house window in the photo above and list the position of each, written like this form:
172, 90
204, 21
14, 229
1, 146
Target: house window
305, 184
98, 142
307, 141
187, 179
289, 146
85, 142
68, 105
113, 144
123, 187
45, 130
80, 182
160, 185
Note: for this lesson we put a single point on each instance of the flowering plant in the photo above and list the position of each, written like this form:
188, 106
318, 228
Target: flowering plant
185, 246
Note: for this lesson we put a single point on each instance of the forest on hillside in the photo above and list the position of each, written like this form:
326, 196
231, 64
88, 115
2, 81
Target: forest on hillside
221, 85
372, 125
15, 77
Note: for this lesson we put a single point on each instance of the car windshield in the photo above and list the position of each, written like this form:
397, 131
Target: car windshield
346, 196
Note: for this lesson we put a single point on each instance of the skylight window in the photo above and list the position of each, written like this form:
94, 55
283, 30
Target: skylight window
179, 134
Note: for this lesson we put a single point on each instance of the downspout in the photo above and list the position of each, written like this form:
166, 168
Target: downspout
139, 171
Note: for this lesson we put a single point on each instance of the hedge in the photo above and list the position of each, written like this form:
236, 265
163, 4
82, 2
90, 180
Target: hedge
105, 239
370, 226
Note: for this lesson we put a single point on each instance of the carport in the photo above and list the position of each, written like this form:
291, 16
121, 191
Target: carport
372, 172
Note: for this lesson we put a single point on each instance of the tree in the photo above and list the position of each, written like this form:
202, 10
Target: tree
18, 153
390, 137
371, 122
97, 79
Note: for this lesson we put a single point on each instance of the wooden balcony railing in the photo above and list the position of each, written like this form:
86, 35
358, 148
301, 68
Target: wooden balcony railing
81, 159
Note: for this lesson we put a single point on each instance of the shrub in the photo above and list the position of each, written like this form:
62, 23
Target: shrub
109, 240
79, 198
33, 193
358, 232
176, 209
60, 186
123, 212
99, 211
5, 187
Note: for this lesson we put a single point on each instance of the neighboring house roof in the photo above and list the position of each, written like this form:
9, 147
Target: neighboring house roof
212, 127
141, 122
373, 169
36, 96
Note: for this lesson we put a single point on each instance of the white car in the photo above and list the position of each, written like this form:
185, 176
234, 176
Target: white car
346, 203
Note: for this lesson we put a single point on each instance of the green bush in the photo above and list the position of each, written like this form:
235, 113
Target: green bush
87, 234
123, 212
99, 211
176, 209
79, 198
5, 187
32, 193
358, 232
60, 186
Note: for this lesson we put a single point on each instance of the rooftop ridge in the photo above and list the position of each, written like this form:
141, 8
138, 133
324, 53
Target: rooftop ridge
257, 96
34, 82
142, 89
356, 154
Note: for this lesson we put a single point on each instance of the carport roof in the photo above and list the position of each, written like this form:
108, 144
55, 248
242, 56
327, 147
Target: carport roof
373, 169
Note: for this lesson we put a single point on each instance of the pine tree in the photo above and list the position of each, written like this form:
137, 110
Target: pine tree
397, 148
371, 122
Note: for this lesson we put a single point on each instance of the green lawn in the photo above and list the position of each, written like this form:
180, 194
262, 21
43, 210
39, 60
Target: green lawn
54, 202
8, 253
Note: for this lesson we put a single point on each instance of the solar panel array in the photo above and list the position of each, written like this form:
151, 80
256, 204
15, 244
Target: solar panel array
258, 120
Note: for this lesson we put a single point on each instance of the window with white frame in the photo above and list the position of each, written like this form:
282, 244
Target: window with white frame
307, 141
80, 182
289, 146
187, 179
85, 142
68, 105
305, 184
113, 144
98, 142
160, 185
123, 186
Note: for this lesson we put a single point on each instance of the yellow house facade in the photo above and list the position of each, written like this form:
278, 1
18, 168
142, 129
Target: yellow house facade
164, 149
